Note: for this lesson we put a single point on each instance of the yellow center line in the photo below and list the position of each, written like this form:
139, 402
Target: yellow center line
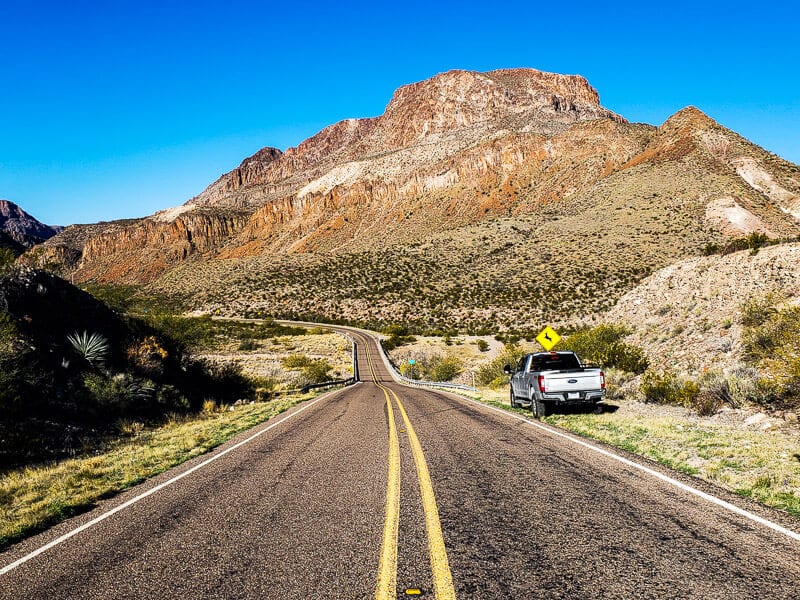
440, 566
387, 569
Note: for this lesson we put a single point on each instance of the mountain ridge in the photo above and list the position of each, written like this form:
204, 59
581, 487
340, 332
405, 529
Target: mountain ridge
452, 165
22, 227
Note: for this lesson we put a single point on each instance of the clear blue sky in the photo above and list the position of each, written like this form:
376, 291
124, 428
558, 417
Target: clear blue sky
117, 109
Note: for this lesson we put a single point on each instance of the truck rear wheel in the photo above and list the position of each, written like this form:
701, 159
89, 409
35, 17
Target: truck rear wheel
538, 407
514, 403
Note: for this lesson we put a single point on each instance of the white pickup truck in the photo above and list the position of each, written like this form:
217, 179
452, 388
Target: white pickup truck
546, 379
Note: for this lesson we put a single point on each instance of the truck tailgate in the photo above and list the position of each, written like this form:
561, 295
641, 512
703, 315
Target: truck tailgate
575, 381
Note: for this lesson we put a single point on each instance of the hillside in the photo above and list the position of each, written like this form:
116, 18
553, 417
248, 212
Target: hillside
477, 200
71, 368
687, 315
21, 227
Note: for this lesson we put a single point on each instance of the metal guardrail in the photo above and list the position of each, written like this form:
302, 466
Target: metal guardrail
419, 382
314, 386
385, 357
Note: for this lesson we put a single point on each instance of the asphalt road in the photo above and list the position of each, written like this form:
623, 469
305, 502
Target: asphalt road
325, 502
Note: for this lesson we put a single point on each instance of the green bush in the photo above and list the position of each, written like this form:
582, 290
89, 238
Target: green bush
771, 344
398, 336
753, 242
317, 371
247, 346
769, 336
8, 330
444, 368
296, 361
664, 387
483, 345
758, 310
7, 256
603, 345
491, 373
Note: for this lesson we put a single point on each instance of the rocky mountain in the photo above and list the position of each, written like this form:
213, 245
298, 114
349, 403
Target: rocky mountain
476, 199
22, 227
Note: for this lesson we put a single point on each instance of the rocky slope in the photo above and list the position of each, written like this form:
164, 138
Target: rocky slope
22, 227
477, 199
685, 315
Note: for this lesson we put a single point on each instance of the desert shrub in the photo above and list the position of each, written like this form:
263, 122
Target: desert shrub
706, 403
753, 242
616, 382
774, 332
444, 368
247, 345
296, 361
7, 257
125, 395
148, 355
491, 373
265, 387
317, 371
8, 330
664, 387
398, 336
771, 344
483, 345
192, 332
757, 310
745, 386
603, 345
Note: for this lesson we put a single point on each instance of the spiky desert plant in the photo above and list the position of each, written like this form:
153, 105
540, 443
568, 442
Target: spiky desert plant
93, 348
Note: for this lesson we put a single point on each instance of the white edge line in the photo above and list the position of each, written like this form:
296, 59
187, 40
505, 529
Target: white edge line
687, 488
149, 492
674, 482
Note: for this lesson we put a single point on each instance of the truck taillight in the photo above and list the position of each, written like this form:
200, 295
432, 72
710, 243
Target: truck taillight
602, 381
541, 383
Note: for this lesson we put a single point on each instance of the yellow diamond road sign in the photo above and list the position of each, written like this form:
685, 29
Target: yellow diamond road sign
548, 338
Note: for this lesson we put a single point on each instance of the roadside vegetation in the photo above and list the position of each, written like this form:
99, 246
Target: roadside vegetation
94, 400
71, 369
758, 465
39, 496
768, 377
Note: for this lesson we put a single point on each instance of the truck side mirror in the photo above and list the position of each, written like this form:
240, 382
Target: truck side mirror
507, 369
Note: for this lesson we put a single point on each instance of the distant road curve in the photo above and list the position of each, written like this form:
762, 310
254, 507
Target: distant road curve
382, 491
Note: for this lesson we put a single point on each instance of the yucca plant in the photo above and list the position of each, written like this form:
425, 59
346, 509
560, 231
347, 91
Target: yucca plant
93, 348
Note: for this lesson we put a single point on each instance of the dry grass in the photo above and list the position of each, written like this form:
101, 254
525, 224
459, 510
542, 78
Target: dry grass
764, 466
263, 360
39, 496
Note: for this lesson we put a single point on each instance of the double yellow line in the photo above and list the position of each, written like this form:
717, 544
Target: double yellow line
387, 568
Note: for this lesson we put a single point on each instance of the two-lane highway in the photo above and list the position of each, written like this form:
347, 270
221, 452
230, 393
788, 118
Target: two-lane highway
379, 491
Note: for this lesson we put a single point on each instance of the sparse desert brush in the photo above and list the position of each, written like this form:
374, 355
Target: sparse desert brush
491, 374
665, 387
603, 345
770, 341
129, 427
296, 361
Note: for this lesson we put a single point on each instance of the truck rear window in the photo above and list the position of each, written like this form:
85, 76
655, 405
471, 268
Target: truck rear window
555, 362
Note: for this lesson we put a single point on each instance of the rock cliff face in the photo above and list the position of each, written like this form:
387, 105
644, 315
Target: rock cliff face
452, 156
22, 227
